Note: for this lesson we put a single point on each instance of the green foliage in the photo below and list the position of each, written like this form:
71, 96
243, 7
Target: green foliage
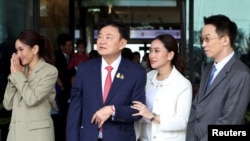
247, 117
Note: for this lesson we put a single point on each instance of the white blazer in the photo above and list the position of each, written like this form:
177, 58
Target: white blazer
173, 103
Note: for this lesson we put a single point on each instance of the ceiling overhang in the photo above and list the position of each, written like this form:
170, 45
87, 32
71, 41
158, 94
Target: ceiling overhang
130, 3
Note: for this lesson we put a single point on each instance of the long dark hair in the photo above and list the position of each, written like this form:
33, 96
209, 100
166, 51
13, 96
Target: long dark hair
32, 38
171, 44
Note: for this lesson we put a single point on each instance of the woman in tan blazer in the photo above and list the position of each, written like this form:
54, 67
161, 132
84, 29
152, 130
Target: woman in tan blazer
30, 92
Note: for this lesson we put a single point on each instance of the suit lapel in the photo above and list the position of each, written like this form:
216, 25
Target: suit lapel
38, 67
98, 75
204, 81
118, 80
33, 75
220, 77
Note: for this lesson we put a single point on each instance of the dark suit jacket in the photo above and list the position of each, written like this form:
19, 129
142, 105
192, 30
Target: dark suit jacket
86, 99
224, 102
63, 73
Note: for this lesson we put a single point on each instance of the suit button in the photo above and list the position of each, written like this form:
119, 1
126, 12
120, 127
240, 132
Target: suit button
81, 126
198, 121
154, 137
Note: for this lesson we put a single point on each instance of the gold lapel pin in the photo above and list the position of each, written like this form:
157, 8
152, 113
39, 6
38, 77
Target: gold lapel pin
118, 75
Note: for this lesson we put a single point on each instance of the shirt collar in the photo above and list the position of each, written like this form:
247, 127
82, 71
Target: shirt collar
115, 64
223, 62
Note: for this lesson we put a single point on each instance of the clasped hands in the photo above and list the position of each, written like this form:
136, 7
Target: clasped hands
15, 65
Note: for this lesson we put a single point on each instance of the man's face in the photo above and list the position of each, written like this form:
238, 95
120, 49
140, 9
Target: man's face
212, 43
109, 42
67, 47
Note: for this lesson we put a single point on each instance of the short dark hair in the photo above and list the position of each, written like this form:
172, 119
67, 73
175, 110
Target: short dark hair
93, 54
63, 38
81, 41
223, 26
127, 53
136, 53
123, 30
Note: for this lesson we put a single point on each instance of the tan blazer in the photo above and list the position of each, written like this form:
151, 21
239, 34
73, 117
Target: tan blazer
30, 101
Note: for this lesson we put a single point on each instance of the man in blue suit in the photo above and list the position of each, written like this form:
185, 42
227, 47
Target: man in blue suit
89, 117
223, 99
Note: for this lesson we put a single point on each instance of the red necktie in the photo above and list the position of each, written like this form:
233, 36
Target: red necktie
108, 83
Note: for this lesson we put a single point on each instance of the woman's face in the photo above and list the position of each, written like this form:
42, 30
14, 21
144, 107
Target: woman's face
81, 48
159, 56
25, 53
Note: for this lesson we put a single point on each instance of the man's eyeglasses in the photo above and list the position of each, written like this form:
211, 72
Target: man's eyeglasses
208, 39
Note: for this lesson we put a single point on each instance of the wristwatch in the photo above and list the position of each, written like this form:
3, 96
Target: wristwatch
153, 117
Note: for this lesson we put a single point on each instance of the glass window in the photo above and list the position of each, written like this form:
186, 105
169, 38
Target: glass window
236, 11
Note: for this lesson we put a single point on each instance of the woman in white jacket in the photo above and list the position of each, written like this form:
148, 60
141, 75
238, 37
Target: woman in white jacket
168, 94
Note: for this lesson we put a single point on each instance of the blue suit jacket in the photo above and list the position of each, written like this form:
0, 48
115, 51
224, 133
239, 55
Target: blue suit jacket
86, 99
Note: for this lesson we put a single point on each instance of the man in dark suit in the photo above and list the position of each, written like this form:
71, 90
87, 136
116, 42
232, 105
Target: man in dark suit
63, 87
90, 118
224, 99
63, 56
